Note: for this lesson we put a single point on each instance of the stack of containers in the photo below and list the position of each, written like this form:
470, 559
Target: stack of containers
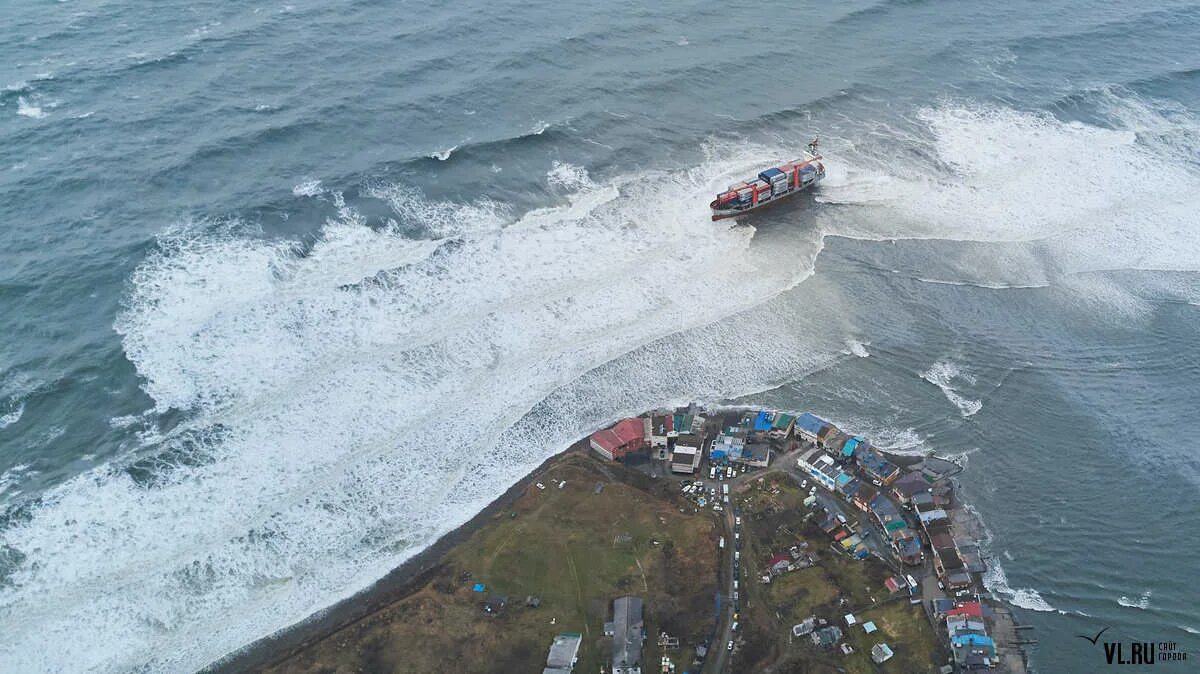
777, 179
743, 191
762, 190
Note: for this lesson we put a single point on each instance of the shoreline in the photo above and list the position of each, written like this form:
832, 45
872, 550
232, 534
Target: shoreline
415, 572
401, 581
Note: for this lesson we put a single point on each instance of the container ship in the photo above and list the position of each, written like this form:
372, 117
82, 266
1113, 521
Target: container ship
771, 186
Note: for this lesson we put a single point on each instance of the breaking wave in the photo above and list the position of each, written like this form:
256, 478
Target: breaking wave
996, 581
336, 404
1142, 602
942, 374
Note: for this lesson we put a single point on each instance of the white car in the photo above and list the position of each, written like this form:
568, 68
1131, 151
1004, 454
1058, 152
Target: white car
541, 486
737, 521
730, 646
717, 508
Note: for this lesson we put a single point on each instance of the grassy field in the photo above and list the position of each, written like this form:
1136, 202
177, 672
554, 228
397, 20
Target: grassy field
774, 520
574, 549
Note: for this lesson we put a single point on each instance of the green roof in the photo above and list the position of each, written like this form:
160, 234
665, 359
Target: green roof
782, 421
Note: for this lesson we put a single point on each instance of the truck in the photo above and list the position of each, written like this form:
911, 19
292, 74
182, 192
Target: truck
725, 489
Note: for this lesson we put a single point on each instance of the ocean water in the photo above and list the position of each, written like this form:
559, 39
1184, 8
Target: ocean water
289, 290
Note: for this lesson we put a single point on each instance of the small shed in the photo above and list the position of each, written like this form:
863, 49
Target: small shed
881, 653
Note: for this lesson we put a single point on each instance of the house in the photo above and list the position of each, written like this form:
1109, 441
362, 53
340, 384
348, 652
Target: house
727, 445
820, 467
967, 609
806, 627
829, 436
628, 435
779, 564
783, 425
875, 466
863, 497
907, 546
907, 485
659, 429
755, 454
564, 652
849, 446
827, 636
811, 427
881, 653
684, 459
627, 631
974, 642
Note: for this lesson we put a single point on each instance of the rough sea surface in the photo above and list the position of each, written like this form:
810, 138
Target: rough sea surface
289, 290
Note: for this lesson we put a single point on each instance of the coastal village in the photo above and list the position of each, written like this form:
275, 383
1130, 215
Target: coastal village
901, 511
701, 541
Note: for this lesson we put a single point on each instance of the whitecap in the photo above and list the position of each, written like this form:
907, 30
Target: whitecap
1142, 602
942, 374
308, 188
996, 580
857, 348
27, 109
443, 155
568, 176
12, 416
1189, 629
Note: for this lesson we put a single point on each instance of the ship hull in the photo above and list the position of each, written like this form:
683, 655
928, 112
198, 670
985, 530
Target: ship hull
737, 210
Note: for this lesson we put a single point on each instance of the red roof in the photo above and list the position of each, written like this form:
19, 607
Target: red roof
891, 584
970, 608
779, 558
626, 432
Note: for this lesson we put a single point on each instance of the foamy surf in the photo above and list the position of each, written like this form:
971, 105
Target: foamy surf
322, 392
996, 580
942, 374
27, 108
1142, 602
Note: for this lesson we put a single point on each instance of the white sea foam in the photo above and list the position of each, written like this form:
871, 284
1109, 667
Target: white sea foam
357, 397
309, 188
1189, 629
27, 108
857, 348
995, 580
943, 374
443, 155
1142, 602
1042, 186
568, 176
12, 416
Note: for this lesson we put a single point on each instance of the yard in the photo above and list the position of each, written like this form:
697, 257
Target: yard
574, 549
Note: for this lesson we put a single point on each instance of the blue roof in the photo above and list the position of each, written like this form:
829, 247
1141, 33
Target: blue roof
843, 478
973, 639
770, 173
479, 587
762, 422
811, 423
848, 448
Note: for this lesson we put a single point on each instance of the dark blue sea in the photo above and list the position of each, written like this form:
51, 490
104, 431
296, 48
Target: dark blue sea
289, 290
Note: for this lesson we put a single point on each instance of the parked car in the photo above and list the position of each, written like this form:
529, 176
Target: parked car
729, 647
737, 521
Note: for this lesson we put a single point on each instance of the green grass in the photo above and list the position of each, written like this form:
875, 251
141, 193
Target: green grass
574, 549
817, 590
